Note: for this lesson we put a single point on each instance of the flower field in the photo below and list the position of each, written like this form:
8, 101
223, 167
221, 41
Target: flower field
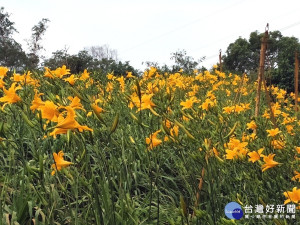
157, 149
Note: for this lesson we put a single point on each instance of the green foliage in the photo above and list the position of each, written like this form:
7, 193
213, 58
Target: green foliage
243, 55
115, 178
238, 56
11, 53
37, 32
183, 61
34, 43
283, 73
118, 68
83, 60
6, 26
59, 58
77, 63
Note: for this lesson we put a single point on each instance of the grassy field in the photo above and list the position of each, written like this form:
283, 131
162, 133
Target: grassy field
156, 149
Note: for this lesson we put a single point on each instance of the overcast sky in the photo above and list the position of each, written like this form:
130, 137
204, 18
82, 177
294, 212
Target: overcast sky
151, 30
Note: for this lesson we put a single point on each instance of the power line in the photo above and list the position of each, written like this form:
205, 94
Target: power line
290, 26
232, 36
212, 43
220, 40
182, 26
281, 29
210, 57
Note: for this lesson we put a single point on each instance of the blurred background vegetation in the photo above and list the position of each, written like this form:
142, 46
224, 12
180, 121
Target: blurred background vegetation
241, 56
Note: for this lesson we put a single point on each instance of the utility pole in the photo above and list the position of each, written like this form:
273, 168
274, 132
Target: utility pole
296, 80
261, 69
220, 60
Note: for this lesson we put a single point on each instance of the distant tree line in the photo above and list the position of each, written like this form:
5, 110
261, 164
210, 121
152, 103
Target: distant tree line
94, 58
86, 60
12, 55
241, 56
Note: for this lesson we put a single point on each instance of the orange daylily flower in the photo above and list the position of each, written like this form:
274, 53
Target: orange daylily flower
236, 149
61, 71
48, 73
273, 132
129, 75
121, 81
207, 104
25, 79
68, 123
153, 141
3, 71
228, 109
231, 154
252, 125
167, 123
85, 75
277, 144
297, 176
146, 102
75, 102
49, 111
238, 109
10, 95
269, 162
17, 77
292, 196
96, 108
110, 76
59, 162
255, 156
188, 103
71, 79
37, 101
174, 131
135, 101
109, 87
215, 151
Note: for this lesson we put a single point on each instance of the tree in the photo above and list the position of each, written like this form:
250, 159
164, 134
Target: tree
12, 55
182, 61
239, 56
58, 58
283, 73
121, 68
6, 26
243, 55
76, 63
34, 42
11, 52
102, 52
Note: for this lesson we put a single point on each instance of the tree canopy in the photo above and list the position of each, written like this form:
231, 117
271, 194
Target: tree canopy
85, 60
243, 56
11, 52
